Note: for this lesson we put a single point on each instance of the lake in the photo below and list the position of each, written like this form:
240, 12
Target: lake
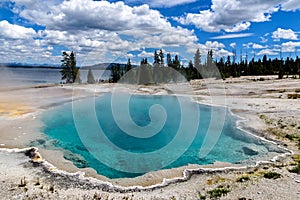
34, 76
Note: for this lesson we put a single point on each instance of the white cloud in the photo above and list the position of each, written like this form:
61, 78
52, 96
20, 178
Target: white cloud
222, 53
27, 51
214, 45
248, 46
103, 15
161, 3
232, 45
290, 46
254, 46
12, 31
17, 44
168, 3
231, 15
258, 46
268, 52
287, 34
218, 49
290, 5
239, 27
263, 40
145, 54
129, 55
109, 29
230, 36
71, 16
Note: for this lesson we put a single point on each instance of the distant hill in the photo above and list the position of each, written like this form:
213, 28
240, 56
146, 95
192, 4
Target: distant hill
102, 66
24, 65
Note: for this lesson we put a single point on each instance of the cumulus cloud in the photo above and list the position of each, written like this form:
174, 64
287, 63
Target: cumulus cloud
108, 28
287, 34
290, 46
168, 3
28, 50
231, 15
145, 54
258, 46
230, 36
267, 52
238, 27
12, 31
218, 49
254, 46
222, 53
163, 3
263, 40
71, 16
103, 15
232, 45
290, 5
214, 45
18, 44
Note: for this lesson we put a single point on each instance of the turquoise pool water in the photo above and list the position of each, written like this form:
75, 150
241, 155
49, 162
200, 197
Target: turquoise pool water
118, 154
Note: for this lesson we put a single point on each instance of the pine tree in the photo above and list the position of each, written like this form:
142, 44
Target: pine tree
156, 58
161, 57
116, 73
176, 62
129, 76
144, 61
190, 71
69, 71
74, 69
128, 65
209, 59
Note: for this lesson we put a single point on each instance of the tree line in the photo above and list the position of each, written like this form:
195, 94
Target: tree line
170, 69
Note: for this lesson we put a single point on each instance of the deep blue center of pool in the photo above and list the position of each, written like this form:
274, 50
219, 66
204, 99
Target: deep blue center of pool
233, 145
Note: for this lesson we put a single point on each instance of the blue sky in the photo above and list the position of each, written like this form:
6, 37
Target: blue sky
113, 31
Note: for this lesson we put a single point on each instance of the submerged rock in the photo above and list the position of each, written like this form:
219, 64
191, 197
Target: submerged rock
77, 159
250, 152
38, 142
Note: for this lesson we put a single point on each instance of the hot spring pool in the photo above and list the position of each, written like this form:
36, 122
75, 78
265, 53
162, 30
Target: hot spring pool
98, 134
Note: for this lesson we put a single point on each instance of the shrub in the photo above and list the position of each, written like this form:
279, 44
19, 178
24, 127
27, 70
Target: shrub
290, 136
271, 175
201, 197
218, 192
296, 169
